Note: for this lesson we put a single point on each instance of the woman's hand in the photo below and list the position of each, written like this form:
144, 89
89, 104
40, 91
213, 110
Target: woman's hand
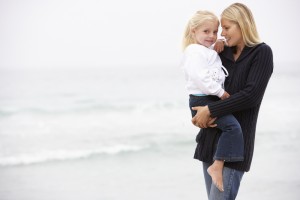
202, 119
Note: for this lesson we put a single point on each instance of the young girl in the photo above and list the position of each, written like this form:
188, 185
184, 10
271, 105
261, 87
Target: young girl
205, 78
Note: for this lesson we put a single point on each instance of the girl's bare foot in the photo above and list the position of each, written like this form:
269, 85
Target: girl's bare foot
215, 171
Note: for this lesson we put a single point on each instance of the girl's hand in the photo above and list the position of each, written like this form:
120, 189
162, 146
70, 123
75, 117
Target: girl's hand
225, 95
219, 45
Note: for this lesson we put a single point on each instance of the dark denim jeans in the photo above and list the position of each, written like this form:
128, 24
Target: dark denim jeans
230, 146
231, 181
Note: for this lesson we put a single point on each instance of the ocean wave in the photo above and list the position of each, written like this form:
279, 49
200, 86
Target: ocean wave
64, 155
107, 107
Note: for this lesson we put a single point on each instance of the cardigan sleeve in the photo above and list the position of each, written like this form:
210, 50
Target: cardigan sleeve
256, 82
198, 72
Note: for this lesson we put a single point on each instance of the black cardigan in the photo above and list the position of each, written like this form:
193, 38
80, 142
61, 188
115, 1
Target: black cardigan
246, 83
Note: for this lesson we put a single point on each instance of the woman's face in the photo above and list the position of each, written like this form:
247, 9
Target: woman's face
206, 34
232, 33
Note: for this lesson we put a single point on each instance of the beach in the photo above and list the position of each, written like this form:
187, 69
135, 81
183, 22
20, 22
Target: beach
112, 134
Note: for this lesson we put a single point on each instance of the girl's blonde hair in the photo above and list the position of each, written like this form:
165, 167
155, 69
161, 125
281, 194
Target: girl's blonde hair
197, 20
241, 15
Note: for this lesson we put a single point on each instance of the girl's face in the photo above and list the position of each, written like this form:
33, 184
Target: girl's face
232, 33
206, 34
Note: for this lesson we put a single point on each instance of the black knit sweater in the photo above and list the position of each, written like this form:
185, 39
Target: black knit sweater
246, 83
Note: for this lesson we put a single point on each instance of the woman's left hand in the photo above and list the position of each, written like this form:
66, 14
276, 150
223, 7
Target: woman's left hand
202, 119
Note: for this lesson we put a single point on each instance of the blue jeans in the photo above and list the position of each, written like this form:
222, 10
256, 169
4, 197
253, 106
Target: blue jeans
231, 181
230, 146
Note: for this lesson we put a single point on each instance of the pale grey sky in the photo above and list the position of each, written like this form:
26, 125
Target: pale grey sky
94, 33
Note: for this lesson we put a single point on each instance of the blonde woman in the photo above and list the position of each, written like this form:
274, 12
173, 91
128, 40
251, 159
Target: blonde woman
250, 65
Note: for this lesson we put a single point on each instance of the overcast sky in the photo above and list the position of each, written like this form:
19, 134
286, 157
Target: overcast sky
99, 33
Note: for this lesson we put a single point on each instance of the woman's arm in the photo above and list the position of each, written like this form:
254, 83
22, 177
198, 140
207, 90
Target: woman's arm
202, 118
249, 96
256, 83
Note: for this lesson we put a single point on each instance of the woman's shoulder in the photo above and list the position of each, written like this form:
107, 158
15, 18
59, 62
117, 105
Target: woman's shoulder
263, 47
263, 50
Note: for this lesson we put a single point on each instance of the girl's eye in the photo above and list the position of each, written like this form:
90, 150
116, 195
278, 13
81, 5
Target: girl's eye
205, 31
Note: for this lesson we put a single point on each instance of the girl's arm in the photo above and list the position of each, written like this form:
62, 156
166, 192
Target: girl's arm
197, 71
219, 45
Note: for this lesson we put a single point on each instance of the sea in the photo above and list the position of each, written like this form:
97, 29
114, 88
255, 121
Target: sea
112, 133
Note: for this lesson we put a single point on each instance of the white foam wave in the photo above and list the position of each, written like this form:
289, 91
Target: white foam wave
107, 107
63, 155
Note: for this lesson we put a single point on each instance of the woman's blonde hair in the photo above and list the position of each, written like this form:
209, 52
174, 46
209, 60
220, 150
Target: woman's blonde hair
198, 19
241, 15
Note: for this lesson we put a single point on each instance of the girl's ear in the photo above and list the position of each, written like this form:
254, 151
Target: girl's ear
193, 30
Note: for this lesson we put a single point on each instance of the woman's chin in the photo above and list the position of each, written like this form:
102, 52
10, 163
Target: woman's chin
228, 44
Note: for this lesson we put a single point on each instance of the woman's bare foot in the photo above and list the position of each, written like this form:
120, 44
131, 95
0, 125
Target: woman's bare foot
216, 173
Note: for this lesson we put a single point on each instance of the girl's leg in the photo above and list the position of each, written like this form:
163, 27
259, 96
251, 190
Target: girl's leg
231, 142
215, 171
231, 179
230, 148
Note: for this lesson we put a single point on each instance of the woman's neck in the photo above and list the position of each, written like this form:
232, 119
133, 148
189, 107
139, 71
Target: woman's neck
238, 51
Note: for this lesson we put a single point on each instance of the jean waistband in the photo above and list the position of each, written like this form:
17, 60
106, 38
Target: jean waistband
199, 95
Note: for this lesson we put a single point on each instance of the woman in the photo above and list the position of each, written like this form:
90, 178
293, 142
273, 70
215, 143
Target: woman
250, 64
